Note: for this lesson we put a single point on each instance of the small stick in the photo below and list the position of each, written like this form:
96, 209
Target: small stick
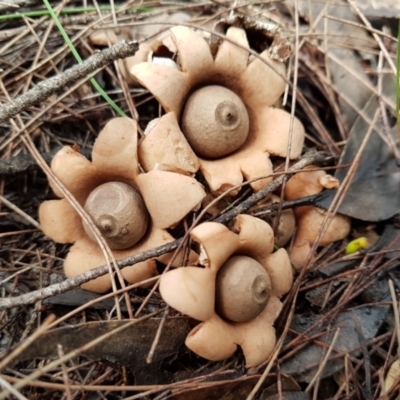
46, 88
366, 387
150, 356
64, 370
6, 386
309, 158
325, 360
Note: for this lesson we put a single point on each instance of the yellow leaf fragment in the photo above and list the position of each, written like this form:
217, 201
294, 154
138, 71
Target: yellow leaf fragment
357, 245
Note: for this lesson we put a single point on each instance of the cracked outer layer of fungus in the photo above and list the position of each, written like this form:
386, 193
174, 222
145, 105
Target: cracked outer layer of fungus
219, 112
236, 294
130, 209
147, 49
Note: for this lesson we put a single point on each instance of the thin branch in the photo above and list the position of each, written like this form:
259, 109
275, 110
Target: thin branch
72, 283
285, 205
52, 85
311, 157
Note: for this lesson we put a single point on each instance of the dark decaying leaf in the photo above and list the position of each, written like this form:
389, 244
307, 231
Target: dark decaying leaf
236, 389
379, 292
23, 163
290, 390
349, 80
288, 396
381, 8
317, 296
78, 297
373, 193
129, 347
304, 364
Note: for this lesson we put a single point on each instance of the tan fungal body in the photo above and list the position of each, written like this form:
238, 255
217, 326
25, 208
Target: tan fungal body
220, 115
131, 209
310, 219
236, 292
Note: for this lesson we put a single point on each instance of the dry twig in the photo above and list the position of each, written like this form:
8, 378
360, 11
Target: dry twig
50, 86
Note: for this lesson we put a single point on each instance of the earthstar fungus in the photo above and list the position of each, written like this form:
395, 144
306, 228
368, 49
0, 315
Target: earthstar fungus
147, 49
236, 294
131, 209
219, 111
309, 218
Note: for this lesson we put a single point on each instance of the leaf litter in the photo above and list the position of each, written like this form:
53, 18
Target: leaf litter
343, 86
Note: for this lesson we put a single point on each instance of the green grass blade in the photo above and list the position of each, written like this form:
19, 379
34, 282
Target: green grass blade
79, 59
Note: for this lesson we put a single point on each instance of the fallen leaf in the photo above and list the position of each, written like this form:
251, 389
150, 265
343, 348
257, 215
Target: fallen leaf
130, 347
237, 389
304, 364
381, 8
373, 193
78, 297
288, 396
349, 80
377, 179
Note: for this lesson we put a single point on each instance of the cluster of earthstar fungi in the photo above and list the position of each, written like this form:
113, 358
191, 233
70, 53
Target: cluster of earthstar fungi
219, 121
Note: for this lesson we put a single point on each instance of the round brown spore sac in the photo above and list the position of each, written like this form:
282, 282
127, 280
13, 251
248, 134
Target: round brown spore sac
243, 289
119, 212
215, 122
